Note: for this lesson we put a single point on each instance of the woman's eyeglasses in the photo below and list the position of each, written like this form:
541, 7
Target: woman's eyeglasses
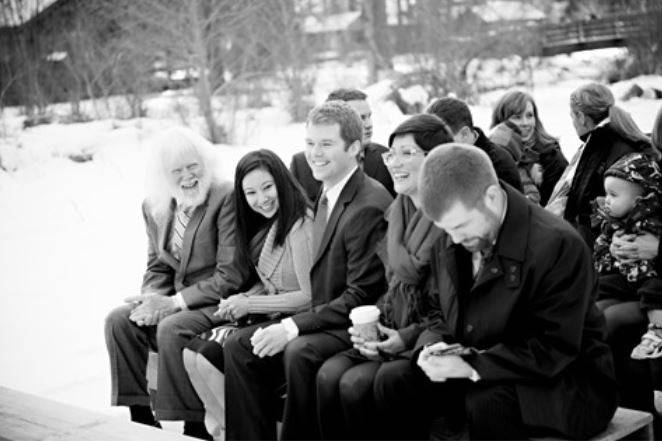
406, 154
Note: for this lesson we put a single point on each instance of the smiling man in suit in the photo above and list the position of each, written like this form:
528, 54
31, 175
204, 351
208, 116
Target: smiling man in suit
346, 272
369, 155
189, 217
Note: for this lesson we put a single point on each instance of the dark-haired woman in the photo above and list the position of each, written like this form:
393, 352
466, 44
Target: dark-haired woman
348, 384
541, 154
274, 235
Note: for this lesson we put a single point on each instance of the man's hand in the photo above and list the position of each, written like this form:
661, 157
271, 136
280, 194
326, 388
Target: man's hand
627, 247
151, 308
269, 341
392, 345
440, 368
234, 307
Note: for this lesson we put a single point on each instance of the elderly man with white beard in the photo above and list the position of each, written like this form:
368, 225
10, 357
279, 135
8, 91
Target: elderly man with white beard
189, 217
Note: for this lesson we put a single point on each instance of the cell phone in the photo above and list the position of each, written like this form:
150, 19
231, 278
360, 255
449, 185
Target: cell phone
442, 348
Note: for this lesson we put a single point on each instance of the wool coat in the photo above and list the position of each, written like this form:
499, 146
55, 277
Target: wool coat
531, 316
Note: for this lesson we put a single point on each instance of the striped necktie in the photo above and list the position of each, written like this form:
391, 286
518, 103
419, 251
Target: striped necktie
319, 224
182, 218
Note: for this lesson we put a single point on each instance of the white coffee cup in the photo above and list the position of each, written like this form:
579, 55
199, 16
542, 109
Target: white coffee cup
364, 321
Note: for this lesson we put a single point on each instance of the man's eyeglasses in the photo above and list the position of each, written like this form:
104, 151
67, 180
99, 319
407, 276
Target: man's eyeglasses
406, 154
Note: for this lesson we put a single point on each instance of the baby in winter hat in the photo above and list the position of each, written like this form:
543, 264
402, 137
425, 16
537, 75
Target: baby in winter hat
633, 192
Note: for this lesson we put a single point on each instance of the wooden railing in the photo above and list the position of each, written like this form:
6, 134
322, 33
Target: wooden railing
591, 34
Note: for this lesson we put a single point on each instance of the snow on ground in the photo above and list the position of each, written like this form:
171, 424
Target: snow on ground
72, 242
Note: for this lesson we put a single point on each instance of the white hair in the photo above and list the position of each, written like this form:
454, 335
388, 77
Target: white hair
165, 147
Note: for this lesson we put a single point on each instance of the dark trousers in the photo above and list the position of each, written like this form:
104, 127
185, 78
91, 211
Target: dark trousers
626, 322
128, 345
352, 399
253, 385
490, 410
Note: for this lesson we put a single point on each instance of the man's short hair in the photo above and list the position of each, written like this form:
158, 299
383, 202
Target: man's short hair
341, 113
428, 131
454, 112
454, 173
347, 95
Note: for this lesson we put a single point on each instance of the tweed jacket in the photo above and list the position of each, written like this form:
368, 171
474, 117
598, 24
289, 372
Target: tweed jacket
206, 272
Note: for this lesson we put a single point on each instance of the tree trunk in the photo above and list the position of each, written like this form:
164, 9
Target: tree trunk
203, 88
376, 59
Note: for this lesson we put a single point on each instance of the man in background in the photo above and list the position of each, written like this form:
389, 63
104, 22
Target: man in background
370, 155
457, 115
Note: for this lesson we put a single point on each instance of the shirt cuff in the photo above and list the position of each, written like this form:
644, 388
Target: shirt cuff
179, 301
291, 328
474, 375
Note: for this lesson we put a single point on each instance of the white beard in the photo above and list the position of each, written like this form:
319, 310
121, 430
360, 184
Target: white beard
193, 198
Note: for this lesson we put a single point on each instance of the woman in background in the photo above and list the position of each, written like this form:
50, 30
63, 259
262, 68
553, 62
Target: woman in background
541, 155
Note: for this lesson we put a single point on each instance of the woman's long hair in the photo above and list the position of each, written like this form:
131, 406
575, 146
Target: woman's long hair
513, 103
292, 203
596, 101
162, 148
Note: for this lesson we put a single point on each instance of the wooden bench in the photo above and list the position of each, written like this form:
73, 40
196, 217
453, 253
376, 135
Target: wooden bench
633, 424
627, 423
26, 417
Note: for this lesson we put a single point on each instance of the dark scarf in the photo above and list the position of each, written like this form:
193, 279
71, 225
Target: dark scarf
409, 240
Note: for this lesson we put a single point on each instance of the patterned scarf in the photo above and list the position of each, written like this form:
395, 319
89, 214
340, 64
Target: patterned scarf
409, 240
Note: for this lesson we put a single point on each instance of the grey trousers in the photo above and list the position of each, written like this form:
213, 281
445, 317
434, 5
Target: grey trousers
128, 346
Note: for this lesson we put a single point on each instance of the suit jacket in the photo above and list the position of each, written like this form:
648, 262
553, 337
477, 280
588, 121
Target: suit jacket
373, 166
346, 270
206, 272
531, 316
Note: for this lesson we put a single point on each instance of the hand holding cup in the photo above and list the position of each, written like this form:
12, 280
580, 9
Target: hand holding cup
364, 323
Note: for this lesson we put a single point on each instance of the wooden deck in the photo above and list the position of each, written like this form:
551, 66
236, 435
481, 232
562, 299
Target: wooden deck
26, 417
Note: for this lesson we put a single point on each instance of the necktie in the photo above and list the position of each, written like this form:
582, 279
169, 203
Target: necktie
319, 224
179, 228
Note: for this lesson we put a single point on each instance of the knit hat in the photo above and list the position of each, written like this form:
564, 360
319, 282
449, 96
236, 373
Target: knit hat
638, 168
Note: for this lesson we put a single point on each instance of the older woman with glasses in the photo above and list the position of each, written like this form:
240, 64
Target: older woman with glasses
348, 384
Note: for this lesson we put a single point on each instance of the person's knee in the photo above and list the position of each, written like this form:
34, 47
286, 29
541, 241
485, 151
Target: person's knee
355, 385
328, 377
118, 320
393, 379
236, 346
296, 352
480, 403
168, 331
